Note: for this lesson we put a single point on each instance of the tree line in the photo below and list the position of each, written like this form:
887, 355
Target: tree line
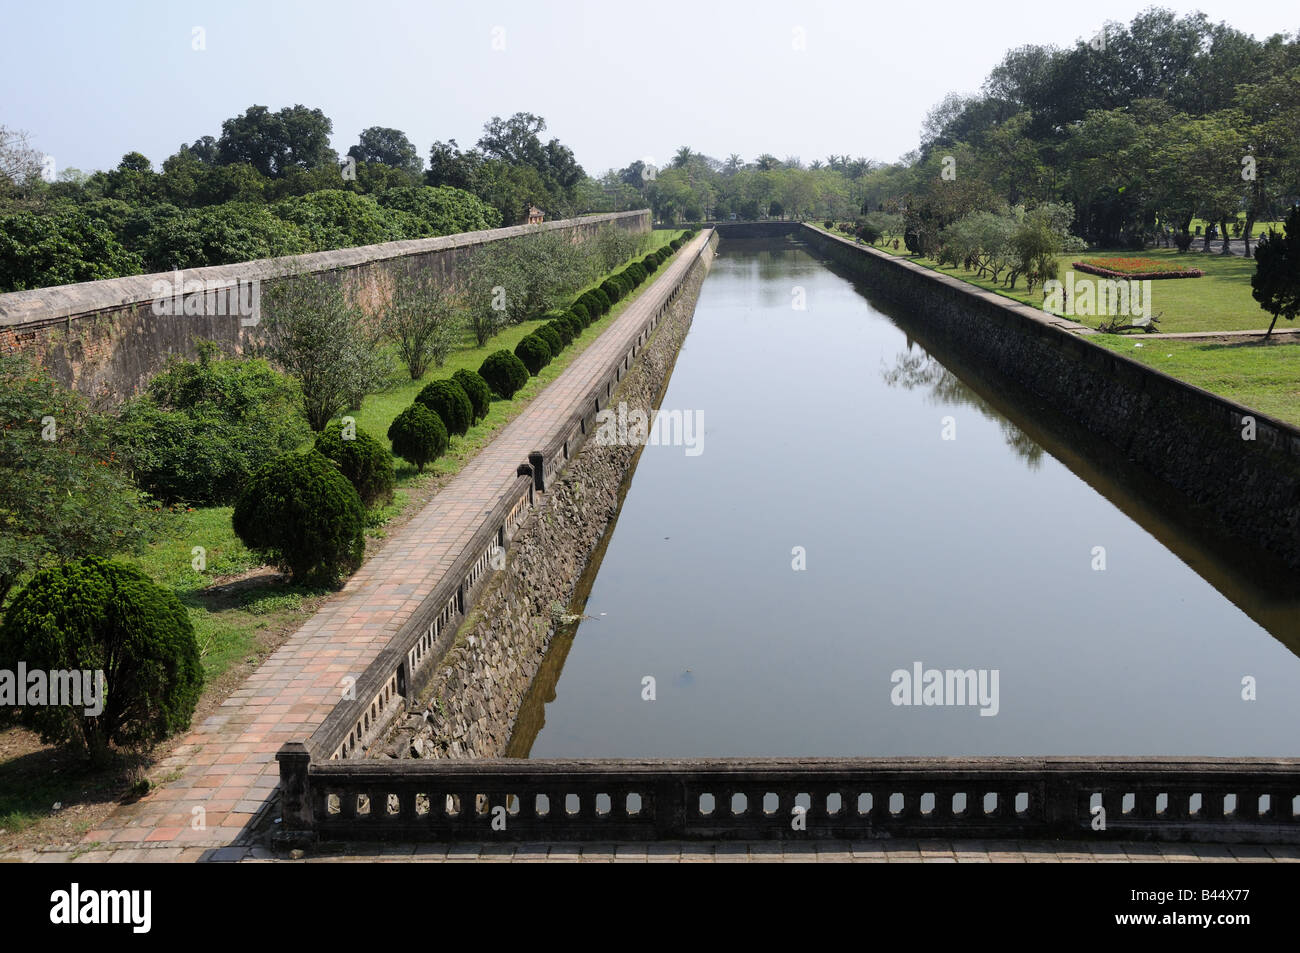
269, 185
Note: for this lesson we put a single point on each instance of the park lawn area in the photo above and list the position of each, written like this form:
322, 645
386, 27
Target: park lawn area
1220, 300
1259, 230
1263, 377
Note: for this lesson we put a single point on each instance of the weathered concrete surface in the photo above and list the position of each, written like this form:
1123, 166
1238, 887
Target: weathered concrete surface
103, 339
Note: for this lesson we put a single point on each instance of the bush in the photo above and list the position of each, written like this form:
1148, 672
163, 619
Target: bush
452, 405
301, 514
579, 311
572, 322
612, 290
476, 389
202, 427
554, 339
106, 617
418, 435
504, 373
636, 271
650, 263
602, 300
562, 326
534, 352
361, 458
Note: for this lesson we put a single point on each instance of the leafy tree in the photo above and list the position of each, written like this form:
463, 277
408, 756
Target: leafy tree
388, 147
37, 251
338, 219
202, 427
422, 319
101, 616
274, 143
316, 334
418, 436
476, 389
301, 514
452, 405
63, 492
442, 210
361, 458
1276, 282
504, 373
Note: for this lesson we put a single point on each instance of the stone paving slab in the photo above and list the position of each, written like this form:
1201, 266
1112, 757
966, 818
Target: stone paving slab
226, 769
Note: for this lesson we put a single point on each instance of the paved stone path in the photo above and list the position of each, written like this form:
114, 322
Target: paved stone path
224, 771
877, 852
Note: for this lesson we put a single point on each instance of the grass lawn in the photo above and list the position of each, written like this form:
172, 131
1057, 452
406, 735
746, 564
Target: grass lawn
1220, 300
1266, 378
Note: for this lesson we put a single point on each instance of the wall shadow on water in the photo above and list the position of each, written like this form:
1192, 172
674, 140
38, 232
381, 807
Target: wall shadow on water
1253, 580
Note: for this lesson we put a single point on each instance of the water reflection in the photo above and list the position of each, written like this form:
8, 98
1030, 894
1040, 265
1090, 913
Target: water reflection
915, 369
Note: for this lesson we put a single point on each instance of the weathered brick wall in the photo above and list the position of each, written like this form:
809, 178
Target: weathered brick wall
103, 339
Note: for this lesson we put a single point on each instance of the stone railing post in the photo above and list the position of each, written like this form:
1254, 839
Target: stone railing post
297, 821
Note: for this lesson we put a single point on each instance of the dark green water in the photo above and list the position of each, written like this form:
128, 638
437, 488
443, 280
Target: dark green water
823, 428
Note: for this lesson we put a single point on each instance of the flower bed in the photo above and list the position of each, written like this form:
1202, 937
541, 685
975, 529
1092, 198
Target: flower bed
1142, 268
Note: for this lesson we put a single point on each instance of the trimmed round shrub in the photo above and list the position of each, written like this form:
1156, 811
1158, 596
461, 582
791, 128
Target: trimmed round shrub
561, 328
650, 263
95, 616
361, 458
636, 271
418, 435
301, 514
504, 373
476, 389
602, 300
572, 322
534, 352
554, 340
446, 399
612, 290
579, 311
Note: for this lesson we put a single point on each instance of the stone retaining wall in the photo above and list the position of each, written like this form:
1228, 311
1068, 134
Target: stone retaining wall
1189, 439
103, 339
470, 704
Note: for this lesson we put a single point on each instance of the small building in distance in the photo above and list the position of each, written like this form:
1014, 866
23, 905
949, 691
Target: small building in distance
535, 215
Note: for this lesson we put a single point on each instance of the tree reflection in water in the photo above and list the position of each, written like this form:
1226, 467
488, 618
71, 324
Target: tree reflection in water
915, 369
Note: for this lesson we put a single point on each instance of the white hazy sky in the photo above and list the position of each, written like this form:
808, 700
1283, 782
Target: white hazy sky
614, 81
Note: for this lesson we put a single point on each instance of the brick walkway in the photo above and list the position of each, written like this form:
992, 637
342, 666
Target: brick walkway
870, 852
224, 771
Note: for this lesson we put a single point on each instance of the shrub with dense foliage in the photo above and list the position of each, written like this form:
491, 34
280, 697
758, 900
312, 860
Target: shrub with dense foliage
554, 340
476, 389
579, 311
504, 373
449, 401
101, 616
63, 492
202, 427
612, 289
534, 352
418, 435
560, 329
361, 458
301, 514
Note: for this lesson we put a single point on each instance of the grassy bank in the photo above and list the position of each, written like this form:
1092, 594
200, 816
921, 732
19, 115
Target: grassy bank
1265, 377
